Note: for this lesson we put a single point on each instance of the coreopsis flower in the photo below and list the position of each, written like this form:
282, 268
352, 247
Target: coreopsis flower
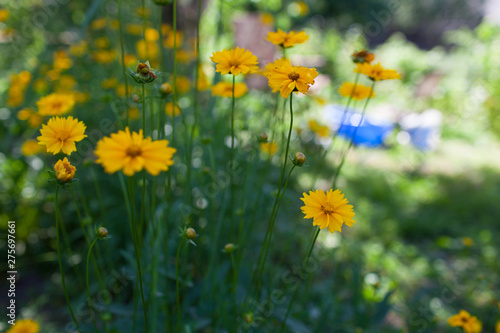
284, 77
170, 110
31, 147
55, 104
99, 23
268, 147
166, 89
18, 85
321, 130
328, 210
4, 14
182, 84
169, 39
299, 159
225, 89
61, 134
131, 152
78, 49
376, 72
362, 56
358, 92
147, 49
144, 73
24, 326
104, 57
287, 39
235, 61
65, 172
470, 324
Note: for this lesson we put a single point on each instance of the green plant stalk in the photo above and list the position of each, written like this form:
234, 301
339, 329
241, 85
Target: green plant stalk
63, 282
136, 251
233, 289
98, 190
122, 49
231, 163
76, 268
261, 261
141, 219
241, 210
177, 289
337, 172
88, 288
300, 280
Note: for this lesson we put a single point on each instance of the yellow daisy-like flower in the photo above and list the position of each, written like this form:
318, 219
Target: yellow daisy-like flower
235, 61
31, 147
25, 326
284, 77
61, 134
65, 172
225, 89
4, 14
329, 210
321, 130
287, 39
170, 110
131, 153
269, 147
360, 92
55, 104
470, 324
376, 72
182, 84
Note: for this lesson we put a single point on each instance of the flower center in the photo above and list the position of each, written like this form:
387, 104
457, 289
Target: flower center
133, 151
67, 168
294, 76
233, 63
57, 105
328, 208
63, 135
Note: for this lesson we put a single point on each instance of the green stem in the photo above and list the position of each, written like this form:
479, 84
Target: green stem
300, 280
122, 49
233, 289
241, 210
231, 163
177, 289
136, 251
88, 288
337, 172
63, 282
143, 110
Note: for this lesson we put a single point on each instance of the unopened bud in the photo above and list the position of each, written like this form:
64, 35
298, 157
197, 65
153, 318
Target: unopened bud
262, 137
248, 317
299, 159
190, 233
229, 247
166, 89
136, 98
102, 232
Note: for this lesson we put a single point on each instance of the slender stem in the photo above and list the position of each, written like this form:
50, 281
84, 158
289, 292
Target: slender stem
235, 282
177, 290
88, 288
143, 110
122, 49
300, 280
241, 210
136, 251
231, 159
353, 136
63, 282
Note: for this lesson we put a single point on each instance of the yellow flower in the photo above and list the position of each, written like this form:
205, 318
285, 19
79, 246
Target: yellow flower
147, 50
470, 324
98, 23
55, 104
169, 39
131, 153
321, 130
359, 93
61, 60
120, 90
235, 61
102, 42
170, 110
4, 14
18, 85
225, 89
376, 72
104, 57
61, 134
31, 147
109, 83
268, 147
25, 326
284, 77
65, 172
362, 56
287, 39
151, 35
467, 241
78, 49
267, 18
497, 327
182, 84
328, 210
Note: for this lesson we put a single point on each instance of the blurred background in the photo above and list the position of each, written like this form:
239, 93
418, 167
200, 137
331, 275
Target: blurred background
424, 176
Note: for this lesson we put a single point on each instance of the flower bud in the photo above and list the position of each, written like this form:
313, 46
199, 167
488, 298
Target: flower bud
166, 89
248, 317
229, 247
362, 56
299, 159
143, 73
262, 137
190, 233
64, 171
136, 98
102, 232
